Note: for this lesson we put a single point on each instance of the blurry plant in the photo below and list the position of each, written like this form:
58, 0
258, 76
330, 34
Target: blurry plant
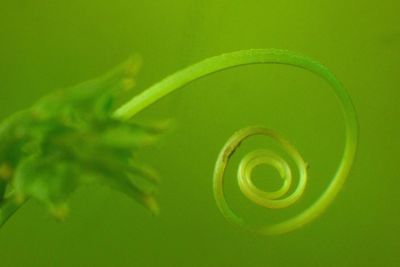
74, 137
69, 139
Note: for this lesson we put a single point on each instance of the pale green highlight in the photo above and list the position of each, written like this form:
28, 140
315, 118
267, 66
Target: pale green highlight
261, 56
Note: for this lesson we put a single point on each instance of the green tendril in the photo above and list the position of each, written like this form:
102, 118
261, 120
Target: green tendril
266, 199
74, 138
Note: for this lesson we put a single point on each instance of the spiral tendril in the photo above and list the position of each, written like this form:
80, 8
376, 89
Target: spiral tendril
271, 200
276, 199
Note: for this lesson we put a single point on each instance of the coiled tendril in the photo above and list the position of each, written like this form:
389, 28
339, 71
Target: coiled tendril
274, 199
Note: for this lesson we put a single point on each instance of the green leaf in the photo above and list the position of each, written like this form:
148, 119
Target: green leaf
49, 180
70, 138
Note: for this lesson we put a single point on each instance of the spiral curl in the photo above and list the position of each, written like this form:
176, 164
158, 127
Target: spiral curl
273, 200
265, 199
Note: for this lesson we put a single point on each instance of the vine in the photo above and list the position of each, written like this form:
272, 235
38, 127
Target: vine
122, 116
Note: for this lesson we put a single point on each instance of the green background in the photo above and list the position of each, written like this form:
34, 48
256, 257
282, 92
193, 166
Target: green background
50, 44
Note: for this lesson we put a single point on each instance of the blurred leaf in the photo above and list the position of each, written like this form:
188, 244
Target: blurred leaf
70, 138
49, 180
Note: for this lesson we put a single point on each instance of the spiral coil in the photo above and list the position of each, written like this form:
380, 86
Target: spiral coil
273, 200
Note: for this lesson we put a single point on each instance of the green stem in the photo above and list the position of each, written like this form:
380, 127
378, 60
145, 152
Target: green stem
7, 208
3, 186
258, 56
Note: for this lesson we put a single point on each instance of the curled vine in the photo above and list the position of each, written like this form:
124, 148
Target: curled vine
79, 133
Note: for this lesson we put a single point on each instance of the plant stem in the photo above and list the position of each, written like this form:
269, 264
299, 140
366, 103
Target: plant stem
3, 186
7, 208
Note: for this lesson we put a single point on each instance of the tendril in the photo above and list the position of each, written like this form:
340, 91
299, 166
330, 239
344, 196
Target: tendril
271, 200
276, 199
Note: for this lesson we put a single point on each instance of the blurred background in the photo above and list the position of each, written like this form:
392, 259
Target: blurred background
45, 45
